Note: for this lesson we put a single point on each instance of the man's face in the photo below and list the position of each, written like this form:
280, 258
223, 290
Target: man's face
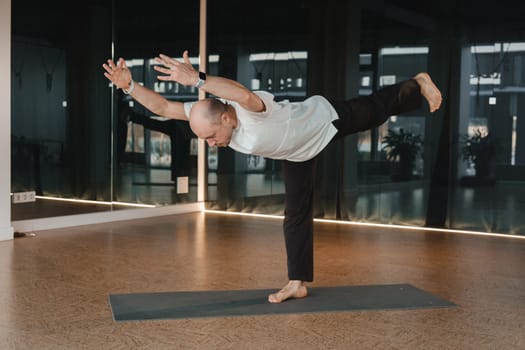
214, 134
217, 134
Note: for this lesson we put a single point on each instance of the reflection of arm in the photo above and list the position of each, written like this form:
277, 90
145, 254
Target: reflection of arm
120, 75
157, 104
185, 74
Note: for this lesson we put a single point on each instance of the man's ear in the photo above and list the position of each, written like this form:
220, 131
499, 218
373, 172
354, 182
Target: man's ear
225, 118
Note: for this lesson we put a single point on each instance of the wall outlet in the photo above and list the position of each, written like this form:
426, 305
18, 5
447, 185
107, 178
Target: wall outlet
24, 197
183, 184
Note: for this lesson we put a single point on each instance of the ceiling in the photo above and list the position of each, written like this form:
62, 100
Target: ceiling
140, 25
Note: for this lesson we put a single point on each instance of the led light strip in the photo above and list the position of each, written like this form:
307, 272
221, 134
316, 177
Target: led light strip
96, 202
342, 222
268, 216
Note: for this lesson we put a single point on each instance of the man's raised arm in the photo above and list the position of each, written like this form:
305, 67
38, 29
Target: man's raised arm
120, 76
184, 73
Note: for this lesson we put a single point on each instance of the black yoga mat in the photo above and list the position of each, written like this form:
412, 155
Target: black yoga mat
191, 304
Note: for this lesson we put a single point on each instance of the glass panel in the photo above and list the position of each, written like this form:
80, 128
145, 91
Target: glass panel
361, 179
391, 182
73, 137
270, 55
491, 162
155, 152
61, 121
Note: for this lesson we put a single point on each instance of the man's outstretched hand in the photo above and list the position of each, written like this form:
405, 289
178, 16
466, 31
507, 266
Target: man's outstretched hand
180, 72
119, 73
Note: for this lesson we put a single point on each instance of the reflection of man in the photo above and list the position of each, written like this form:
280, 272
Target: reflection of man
180, 136
253, 123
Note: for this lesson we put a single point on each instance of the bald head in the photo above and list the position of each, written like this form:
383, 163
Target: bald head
214, 121
209, 109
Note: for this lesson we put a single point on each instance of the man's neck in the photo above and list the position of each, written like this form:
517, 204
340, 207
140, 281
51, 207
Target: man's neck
233, 115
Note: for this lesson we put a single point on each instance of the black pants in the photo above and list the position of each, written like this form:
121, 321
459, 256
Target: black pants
357, 114
180, 137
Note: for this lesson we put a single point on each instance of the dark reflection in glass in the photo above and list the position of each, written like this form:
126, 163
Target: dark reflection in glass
61, 122
270, 54
156, 158
491, 152
63, 116
473, 56
467, 171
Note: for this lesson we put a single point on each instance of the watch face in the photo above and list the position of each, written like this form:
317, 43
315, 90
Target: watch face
202, 80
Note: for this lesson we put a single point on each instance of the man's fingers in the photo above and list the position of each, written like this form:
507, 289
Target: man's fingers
122, 63
107, 68
186, 57
166, 60
161, 61
162, 69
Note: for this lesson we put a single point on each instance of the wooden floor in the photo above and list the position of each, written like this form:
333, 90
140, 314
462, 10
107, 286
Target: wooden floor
54, 286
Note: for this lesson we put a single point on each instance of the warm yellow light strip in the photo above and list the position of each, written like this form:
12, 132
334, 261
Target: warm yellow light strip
342, 222
135, 204
244, 214
96, 202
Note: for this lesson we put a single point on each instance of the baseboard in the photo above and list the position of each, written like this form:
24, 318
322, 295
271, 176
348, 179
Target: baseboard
32, 225
6, 233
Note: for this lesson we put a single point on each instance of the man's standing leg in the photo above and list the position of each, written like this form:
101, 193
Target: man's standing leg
298, 228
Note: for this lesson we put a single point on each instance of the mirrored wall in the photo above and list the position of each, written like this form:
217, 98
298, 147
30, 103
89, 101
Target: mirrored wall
79, 144
75, 137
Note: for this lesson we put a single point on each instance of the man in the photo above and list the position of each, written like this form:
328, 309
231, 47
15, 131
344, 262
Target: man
253, 123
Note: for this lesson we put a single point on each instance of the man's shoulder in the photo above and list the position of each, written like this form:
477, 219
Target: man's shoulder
264, 94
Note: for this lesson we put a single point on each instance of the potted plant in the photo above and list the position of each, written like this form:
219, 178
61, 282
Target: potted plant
480, 149
403, 147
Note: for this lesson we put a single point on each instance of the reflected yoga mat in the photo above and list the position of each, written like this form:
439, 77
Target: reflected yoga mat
177, 305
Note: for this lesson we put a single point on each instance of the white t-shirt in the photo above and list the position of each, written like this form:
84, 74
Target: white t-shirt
295, 131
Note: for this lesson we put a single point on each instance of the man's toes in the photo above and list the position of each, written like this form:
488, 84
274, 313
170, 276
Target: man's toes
274, 298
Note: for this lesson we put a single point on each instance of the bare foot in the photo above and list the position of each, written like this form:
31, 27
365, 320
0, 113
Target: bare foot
294, 289
429, 91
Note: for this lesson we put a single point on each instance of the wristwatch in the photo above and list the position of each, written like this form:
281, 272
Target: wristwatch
201, 81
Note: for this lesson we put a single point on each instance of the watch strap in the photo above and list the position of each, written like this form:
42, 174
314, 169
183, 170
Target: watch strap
201, 81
